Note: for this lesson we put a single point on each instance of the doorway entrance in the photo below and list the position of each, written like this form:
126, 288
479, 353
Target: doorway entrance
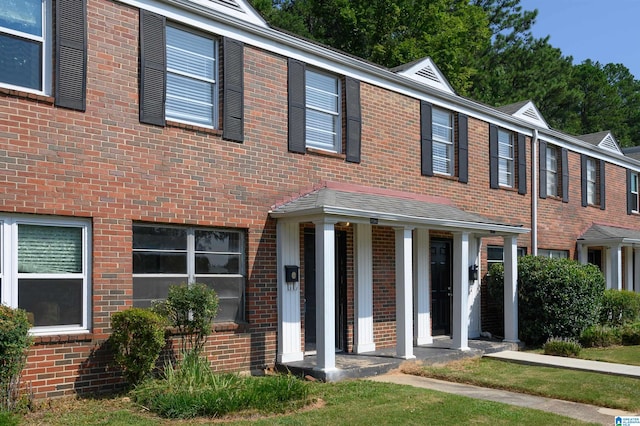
441, 287
310, 289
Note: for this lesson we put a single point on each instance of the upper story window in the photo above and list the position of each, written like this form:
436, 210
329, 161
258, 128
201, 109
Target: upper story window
443, 142
554, 172
192, 77
320, 105
179, 77
25, 38
168, 255
507, 159
45, 271
443, 148
506, 154
633, 200
323, 111
591, 181
593, 184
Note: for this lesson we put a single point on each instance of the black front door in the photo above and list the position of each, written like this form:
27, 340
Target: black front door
441, 287
310, 289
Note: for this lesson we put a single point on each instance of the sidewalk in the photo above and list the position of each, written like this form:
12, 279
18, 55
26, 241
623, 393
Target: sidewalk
584, 412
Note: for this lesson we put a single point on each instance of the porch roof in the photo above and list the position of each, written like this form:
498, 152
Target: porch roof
606, 234
386, 207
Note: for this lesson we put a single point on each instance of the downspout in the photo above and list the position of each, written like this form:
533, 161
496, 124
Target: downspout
534, 193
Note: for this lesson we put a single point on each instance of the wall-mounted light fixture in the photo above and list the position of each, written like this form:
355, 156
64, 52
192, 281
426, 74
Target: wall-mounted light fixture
473, 273
291, 276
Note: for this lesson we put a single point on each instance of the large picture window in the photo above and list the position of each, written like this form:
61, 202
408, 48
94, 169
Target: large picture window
45, 271
24, 43
165, 256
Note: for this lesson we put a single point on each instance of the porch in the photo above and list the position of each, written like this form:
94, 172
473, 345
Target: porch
381, 361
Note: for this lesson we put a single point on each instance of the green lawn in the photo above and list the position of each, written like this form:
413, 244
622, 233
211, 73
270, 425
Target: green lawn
346, 403
619, 354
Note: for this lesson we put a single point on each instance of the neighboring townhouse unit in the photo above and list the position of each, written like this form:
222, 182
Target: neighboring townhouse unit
331, 203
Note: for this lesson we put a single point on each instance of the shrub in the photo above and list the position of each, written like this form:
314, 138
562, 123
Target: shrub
556, 297
559, 346
630, 334
191, 309
14, 344
600, 336
619, 307
137, 339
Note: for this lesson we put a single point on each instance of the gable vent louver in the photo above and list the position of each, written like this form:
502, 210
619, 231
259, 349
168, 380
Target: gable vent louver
609, 143
428, 73
229, 3
531, 113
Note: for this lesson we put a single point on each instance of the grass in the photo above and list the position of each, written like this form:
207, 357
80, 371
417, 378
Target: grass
351, 402
579, 386
629, 355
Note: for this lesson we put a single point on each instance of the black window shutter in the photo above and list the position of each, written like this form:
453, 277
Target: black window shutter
602, 183
71, 54
493, 156
463, 148
297, 106
565, 175
630, 203
233, 90
354, 119
522, 164
153, 76
543, 169
583, 179
426, 139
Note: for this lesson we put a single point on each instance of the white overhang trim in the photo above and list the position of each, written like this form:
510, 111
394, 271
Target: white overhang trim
610, 241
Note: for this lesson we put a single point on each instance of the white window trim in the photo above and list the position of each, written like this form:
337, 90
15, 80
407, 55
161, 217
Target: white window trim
10, 275
337, 115
591, 183
47, 51
552, 173
553, 253
448, 144
215, 88
635, 178
509, 172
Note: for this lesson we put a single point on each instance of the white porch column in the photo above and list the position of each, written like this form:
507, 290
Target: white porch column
289, 334
614, 267
421, 289
460, 326
364, 341
628, 268
325, 296
404, 302
636, 277
511, 289
583, 254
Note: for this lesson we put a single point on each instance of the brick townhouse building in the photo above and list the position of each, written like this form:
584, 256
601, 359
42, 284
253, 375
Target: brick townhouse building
331, 203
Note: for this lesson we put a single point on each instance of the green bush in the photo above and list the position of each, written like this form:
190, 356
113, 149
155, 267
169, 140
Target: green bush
560, 346
600, 336
630, 334
14, 344
192, 389
619, 307
556, 297
137, 339
191, 309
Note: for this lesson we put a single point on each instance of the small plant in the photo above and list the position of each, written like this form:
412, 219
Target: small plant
137, 339
14, 344
630, 334
191, 309
600, 336
560, 346
619, 307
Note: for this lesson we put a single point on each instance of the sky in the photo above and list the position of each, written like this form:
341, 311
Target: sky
607, 31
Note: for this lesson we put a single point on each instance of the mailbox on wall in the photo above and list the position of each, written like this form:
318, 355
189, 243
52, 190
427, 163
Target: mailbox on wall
291, 274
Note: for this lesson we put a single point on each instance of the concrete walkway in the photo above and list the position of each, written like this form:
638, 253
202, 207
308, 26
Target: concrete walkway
584, 412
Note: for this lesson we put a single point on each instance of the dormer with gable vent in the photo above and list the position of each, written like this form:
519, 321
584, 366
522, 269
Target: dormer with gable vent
525, 110
426, 72
604, 140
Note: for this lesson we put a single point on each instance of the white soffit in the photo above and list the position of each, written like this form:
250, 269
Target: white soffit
530, 113
240, 9
426, 72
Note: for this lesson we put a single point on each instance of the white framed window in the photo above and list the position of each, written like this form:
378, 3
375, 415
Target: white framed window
506, 154
192, 77
553, 254
46, 271
592, 177
170, 255
25, 45
323, 111
635, 200
552, 171
443, 148
495, 254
